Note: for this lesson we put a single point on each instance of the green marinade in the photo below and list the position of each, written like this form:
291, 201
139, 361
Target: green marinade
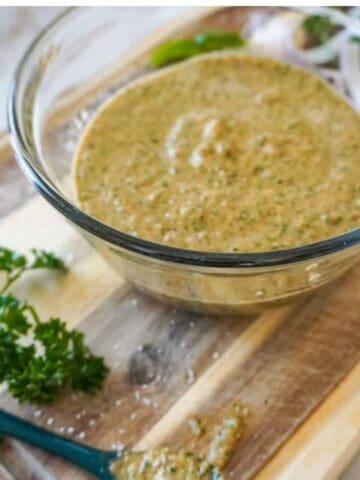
225, 152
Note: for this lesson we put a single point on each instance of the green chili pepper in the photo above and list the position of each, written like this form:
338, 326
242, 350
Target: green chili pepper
179, 49
174, 51
218, 39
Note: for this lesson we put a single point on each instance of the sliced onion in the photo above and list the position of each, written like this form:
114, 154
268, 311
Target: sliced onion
277, 36
350, 22
271, 37
334, 77
350, 68
325, 53
354, 12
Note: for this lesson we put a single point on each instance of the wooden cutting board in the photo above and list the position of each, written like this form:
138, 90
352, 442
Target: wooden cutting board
297, 368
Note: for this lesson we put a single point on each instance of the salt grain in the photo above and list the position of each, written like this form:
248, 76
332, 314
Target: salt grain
81, 435
323, 217
190, 375
260, 293
117, 446
314, 277
50, 421
69, 258
183, 210
312, 267
70, 430
195, 159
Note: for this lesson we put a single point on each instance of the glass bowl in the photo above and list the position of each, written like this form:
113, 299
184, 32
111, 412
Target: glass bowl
76, 63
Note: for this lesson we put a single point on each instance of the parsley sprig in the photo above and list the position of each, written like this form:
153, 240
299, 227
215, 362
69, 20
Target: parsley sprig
39, 359
318, 28
14, 264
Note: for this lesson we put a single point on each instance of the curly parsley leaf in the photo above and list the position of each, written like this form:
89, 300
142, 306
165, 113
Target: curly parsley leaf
318, 28
46, 260
40, 359
12, 316
10, 260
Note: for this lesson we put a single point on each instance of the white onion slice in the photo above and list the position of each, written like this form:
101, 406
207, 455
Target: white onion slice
350, 63
325, 53
334, 77
276, 36
271, 37
351, 23
350, 68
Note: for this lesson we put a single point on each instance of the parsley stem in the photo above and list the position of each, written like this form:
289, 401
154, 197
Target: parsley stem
32, 312
11, 278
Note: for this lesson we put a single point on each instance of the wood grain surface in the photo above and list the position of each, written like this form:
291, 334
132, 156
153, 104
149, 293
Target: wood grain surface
296, 368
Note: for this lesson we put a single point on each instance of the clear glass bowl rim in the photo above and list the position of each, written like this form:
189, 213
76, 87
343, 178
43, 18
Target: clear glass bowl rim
28, 158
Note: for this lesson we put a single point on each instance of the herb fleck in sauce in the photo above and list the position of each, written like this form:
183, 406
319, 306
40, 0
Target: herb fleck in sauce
167, 464
226, 435
224, 152
163, 464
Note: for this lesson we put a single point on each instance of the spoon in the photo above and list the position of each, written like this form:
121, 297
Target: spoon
96, 461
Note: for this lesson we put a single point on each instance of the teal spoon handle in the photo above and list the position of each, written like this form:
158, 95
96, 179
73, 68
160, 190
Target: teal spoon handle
91, 459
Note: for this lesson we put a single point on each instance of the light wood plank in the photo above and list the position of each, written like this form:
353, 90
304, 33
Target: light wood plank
325, 444
72, 295
205, 388
5, 148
